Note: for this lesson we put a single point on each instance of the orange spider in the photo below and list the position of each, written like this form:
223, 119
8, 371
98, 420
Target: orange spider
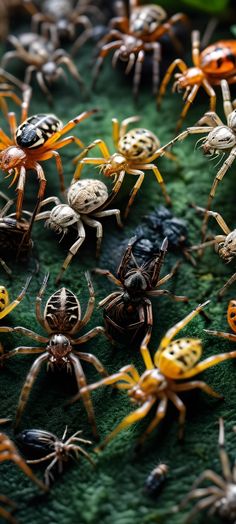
214, 63
173, 361
9, 452
135, 152
231, 319
37, 138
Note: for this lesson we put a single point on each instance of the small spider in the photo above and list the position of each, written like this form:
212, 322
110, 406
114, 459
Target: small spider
15, 237
61, 320
216, 62
59, 450
225, 245
128, 311
86, 201
36, 139
173, 361
41, 57
135, 150
220, 140
8, 451
131, 37
231, 318
155, 480
219, 498
61, 18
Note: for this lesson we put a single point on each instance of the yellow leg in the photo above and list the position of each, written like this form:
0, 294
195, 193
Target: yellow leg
177, 63
15, 302
160, 181
208, 363
101, 145
82, 163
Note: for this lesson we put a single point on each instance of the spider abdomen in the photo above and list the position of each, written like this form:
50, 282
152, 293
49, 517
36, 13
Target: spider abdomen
219, 59
180, 356
231, 315
4, 298
62, 311
84, 196
36, 130
138, 144
145, 20
36, 440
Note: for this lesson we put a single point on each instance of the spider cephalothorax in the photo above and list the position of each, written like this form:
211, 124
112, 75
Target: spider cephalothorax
214, 63
43, 59
36, 139
128, 311
135, 151
87, 201
61, 320
174, 360
136, 34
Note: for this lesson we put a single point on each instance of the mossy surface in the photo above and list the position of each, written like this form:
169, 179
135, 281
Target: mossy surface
113, 492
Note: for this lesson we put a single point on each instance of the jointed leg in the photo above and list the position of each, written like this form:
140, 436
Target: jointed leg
160, 414
226, 286
15, 302
72, 251
88, 357
90, 305
90, 334
160, 292
228, 336
228, 107
99, 231
208, 363
23, 331
101, 145
137, 72
110, 212
107, 274
144, 344
135, 189
224, 459
219, 219
177, 63
211, 93
189, 100
84, 392
38, 302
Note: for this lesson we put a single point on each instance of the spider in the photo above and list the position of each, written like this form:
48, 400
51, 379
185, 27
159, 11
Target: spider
8, 451
131, 37
36, 139
86, 201
14, 235
60, 19
61, 320
220, 140
173, 361
218, 498
225, 245
59, 450
135, 150
216, 62
231, 318
128, 311
41, 57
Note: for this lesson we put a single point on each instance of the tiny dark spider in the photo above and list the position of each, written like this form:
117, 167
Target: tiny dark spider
61, 320
86, 202
225, 245
41, 57
220, 497
136, 34
155, 480
15, 238
59, 450
128, 312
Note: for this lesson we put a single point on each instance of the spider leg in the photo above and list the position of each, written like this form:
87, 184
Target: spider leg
195, 37
72, 251
131, 61
20, 191
135, 189
9, 452
5, 267
210, 119
155, 46
208, 363
137, 72
219, 219
101, 145
227, 104
167, 277
160, 414
23, 331
189, 101
159, 180
228, 336
99, 231
177, 63
219, 177
226, 286
85, 395
71, 68
78, 450
189, 131
88, 357
110, 212
15, 302
70, 125
90, 306
43, 86
7, 516
210, 91
102, 55
29, 381
144, 344
28, 73
160, 292
107, 274
224, 458
130, 419
90, 334
38, 302
47, 474
201, 505
42, 459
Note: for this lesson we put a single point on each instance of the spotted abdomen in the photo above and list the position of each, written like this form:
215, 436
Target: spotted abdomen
138, 144
231, 315
219, 59
180, 356
4, 298
87, 195
62, 311
36, 130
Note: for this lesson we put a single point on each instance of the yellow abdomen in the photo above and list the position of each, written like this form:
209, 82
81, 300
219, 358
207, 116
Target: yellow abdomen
178, 357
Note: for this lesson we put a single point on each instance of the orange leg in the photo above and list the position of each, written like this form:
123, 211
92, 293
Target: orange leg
177, 63
12, 123
72, 123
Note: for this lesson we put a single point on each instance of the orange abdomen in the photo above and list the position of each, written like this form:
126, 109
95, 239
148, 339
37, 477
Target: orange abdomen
231, 315
219, 60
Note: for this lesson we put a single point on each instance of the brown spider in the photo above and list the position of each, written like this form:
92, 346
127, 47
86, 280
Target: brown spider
41, 57
59, 450
61, 320
135, 152
219, 498
220, 140
86, 201
60, 19
8, 451
36, 139
128, 311
174, 360
131, 37
225, 245
15, 239
215, 63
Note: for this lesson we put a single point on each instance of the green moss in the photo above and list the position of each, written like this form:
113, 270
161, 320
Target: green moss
113, 491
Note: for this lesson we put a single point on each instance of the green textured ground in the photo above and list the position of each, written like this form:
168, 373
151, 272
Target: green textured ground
113, 492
